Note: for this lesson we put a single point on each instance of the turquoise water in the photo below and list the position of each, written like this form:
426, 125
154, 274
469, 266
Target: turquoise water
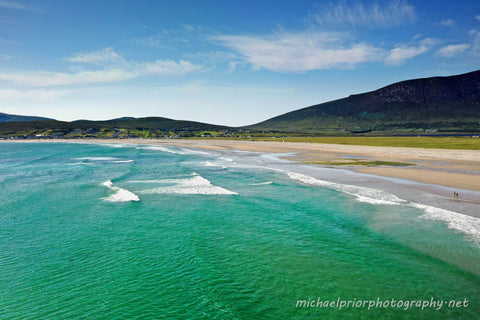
213, 238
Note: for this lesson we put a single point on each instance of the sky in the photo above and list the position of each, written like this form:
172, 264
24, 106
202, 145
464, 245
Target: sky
223, 62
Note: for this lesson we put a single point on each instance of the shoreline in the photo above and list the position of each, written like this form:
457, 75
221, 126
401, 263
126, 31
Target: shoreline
456, 169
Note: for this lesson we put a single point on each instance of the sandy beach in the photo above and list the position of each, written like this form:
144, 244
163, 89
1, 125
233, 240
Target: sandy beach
451, 168
458, 169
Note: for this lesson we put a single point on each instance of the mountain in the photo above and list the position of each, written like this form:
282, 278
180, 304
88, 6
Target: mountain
4, 117
437, 104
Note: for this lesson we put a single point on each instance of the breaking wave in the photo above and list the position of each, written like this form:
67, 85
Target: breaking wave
454, 220
181, 151
120, 195
193, 185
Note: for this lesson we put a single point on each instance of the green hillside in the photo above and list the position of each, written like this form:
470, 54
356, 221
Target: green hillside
116, 128
439, 104
5, 117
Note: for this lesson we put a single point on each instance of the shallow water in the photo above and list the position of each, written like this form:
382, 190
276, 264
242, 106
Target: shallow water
127, 232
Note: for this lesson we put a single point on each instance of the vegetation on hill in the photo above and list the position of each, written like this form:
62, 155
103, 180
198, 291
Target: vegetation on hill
151, 127
5, 117
439, 104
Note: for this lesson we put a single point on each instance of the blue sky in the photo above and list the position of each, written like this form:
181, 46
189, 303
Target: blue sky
223, 62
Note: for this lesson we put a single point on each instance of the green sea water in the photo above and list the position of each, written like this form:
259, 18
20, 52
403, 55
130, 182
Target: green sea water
143, 232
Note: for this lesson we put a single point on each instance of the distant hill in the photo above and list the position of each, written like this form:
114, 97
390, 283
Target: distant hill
4, 117
125, 123
146, 123
438, 104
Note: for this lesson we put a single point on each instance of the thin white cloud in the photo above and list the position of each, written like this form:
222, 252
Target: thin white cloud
49, 79
106, 55
404, 52
477, 17
213, 59
16, 5
113, 68
169, 38
305, 51
212, 56
395, 13
167, 67
149, 42
453, 50
475, 34
294, 52
35, 95
192, 28
194, 87
448, 23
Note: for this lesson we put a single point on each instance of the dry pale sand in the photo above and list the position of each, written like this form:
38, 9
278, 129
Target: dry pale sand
452, 168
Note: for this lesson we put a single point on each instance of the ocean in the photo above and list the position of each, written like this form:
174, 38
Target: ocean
113, 231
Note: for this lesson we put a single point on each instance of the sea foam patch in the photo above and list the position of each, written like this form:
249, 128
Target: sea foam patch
94, 160
465, 224
195, 184
98, 158
181, 151
363, 194
455, 221
119, 195
262, 183
157, 148
211, 164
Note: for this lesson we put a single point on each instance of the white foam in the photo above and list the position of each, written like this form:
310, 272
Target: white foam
211, 164
455, 221
363, 194
262, 183
146, 181
194, 185
465, 224
190, 151
97, 158
309, 180
182, 151
120, 195
116, 145
370, 195
108, 183
80, 164
157, 148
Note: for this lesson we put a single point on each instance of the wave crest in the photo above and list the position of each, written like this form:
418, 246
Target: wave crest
193, 185
120, 195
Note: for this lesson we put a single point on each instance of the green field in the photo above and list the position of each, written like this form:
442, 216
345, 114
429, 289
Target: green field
460, 143
409, 142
